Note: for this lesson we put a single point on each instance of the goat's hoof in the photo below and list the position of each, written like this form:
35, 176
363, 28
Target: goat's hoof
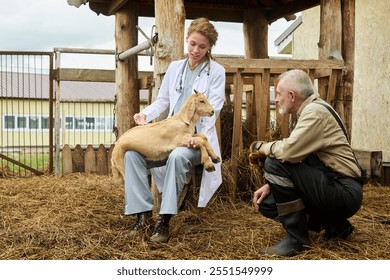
209, 167
216, 160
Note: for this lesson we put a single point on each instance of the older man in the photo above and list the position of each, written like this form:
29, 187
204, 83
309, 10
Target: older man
313, 178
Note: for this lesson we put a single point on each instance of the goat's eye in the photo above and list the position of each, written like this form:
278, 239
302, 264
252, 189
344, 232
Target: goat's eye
202, 101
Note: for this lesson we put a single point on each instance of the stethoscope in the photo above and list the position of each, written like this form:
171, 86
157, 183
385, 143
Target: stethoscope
179, 88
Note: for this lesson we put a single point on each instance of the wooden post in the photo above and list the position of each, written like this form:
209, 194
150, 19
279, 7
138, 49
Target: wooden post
255, 28
126, 74
329, 45
170, 18
348, 52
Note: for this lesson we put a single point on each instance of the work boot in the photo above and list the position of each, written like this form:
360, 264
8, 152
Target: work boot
295, 224
161, 230
144, 222
338, 231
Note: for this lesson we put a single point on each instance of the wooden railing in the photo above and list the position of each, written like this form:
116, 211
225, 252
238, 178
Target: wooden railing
262, 74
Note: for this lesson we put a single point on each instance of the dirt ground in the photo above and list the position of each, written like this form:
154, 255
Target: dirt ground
81, 217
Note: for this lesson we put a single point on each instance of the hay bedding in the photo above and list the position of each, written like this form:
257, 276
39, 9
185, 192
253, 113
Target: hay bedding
80, 217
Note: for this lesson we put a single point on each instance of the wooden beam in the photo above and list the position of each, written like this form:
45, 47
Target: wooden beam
292, 7
86, 75
115, 5
95, 75
246, 64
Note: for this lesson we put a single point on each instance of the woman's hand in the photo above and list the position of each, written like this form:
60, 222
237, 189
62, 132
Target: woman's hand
191, 143
139, 119
259, 195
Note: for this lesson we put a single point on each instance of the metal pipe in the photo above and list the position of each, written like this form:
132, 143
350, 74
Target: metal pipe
134, 50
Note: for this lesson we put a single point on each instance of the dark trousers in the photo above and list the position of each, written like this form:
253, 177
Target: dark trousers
328, 197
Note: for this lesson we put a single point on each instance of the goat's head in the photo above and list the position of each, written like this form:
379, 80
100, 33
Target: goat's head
197, 105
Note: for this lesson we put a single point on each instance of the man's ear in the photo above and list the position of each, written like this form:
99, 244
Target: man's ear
293, 95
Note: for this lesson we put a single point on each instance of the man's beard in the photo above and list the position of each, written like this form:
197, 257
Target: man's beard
282, 111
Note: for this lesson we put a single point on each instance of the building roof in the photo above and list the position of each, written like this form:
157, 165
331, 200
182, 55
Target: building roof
36, 86
284, 41
216, 10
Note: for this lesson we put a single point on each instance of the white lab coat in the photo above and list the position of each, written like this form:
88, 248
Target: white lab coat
211, 82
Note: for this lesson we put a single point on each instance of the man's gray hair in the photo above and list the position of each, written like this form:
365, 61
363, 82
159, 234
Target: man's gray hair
299, 81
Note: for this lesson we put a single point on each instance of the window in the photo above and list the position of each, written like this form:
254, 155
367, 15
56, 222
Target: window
109, 123
79, 123
45, 122
22, 122
9, 122
99, 123
33, 122
68, 122
90, 122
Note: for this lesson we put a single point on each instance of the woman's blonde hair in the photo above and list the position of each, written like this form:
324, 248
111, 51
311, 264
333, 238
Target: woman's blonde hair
204, 27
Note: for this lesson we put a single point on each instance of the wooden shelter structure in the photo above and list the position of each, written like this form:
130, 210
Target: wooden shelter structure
333, 70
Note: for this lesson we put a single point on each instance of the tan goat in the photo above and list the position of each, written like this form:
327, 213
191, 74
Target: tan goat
156, 140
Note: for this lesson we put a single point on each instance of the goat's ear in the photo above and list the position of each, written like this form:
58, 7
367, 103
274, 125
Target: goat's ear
189, 110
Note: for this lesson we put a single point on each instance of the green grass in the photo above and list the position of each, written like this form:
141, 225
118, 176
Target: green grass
38, 161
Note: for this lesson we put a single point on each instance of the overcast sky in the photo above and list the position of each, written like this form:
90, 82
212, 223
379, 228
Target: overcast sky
42, 25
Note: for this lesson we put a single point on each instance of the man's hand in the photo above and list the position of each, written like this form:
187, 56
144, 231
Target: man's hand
255, 156
259, 195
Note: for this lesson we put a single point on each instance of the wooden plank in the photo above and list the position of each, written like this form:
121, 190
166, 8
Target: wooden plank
90, 159
101, 160
78, 159
250, 112
96, 75
282, 63
385, 178
145, 82
257, 101
86, 75
109, 153
264, 118
66, 160
37, 172
330, 97
237, 130
371, 161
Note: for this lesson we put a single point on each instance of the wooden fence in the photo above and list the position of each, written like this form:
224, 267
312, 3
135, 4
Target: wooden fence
262, 74
89, 160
